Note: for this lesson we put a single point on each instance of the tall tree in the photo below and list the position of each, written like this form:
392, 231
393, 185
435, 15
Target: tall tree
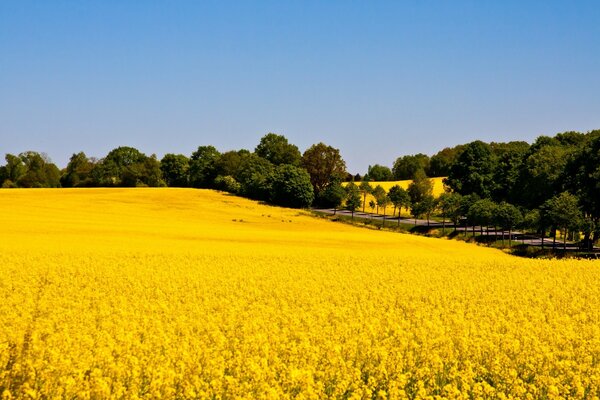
39, 171
379, 173
473, 171
203, 166
323, 163
449, 204
378, 193
365, 188
399, 198
508, 217
78, 171
441, 163
291, 187
278, 150
175, 169
563, 212
352, 198
407, 167
333, 196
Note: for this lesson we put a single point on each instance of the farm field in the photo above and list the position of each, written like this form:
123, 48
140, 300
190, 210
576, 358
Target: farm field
183, 293
438, 189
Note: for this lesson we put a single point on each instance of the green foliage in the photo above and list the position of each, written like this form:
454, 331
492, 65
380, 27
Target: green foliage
128, 167
420, 188
253, 175
227, 184
353, 198
473, 171
379, 173
399, 197
442, 161
562, 211
203, 166
277, 150
407, 167
291, 187
333, 195
324, 164
482, 212
30, 170
450, 206
507, 216
175, 169
78, 172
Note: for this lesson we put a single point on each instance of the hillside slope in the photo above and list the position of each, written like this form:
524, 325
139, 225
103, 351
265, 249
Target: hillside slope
163, 293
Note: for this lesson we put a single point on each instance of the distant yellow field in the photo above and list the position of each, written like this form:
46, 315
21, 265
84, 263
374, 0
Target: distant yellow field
438, 188
182, 293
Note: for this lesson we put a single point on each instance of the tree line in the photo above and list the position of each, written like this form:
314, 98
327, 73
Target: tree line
275, 171
551, 184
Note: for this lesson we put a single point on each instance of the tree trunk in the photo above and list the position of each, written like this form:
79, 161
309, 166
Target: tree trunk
509, 237
443, 224
554, 241
364, 201
383, 223
352, 215
543, 234
565, 240
334, 210
502, 235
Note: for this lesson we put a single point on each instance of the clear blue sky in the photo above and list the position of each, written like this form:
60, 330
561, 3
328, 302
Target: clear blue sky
375, 79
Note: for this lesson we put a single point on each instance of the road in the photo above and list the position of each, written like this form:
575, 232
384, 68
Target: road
517, 236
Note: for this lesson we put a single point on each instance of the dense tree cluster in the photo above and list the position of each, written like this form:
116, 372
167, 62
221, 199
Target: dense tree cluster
275, 171
552, 184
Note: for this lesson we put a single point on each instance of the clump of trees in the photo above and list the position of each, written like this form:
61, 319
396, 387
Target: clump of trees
522, 185
274, 172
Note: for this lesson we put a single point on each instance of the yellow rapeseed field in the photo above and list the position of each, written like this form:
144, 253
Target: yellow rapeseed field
181, 293
438, 189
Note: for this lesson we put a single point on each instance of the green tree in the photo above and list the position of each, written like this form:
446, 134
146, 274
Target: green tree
278, 150
582, 178
379, 193
203, 166
379, 173
509, 159
78, 171
14, 168
508, 217
563, 212
253, 176
482, 212
399, 198
333, 196
323, 163
541, 172
449, 204
473, 171
175, 169
372, 206
465, 204
365, 188
227, 184
39, 171
352, 198
407, 166
441, 163
291, 187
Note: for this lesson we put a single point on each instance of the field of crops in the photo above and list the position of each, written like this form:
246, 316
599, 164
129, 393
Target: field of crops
438, 188
163, 293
